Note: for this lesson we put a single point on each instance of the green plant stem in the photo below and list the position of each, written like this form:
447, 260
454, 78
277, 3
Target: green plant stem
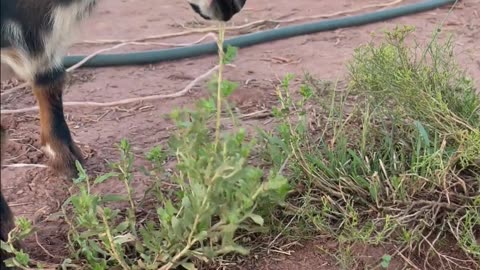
132, 218
190, 241
112, 244
221, 38
179, 255
436, 32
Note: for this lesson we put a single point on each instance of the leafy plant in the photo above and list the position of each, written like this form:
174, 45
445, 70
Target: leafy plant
386, 259
19, 258
218, 194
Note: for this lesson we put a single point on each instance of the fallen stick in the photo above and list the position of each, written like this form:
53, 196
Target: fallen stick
123, 101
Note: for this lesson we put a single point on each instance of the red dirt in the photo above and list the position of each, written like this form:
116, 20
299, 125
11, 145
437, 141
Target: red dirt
37, 193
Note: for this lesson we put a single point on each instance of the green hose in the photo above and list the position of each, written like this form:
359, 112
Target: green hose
155, 56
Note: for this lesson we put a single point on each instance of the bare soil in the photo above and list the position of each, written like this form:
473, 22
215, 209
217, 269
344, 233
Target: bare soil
37, 193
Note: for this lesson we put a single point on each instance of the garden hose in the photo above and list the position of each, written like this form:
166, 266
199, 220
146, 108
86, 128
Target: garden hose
155, 56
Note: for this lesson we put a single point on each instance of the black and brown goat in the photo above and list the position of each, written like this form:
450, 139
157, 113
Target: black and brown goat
35, 35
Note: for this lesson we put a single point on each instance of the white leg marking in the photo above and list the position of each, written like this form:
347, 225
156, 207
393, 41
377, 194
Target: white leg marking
49, 151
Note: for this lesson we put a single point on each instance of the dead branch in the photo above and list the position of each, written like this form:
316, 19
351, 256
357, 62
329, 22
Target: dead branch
123, 101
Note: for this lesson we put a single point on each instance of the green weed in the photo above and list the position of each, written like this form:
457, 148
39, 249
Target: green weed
20, 259
216, 195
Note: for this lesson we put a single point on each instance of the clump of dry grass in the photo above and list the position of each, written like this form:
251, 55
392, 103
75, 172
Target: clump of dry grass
400, 163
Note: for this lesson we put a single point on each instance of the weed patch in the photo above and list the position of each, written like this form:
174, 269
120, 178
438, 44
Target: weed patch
217, 194
394, 158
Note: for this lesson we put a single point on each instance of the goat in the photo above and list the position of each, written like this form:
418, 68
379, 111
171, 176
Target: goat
6, 216
35, 35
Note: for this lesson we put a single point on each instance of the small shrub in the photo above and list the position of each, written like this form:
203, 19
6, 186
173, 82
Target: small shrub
219, 194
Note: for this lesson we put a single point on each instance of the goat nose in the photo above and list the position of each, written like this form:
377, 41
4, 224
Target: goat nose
196, 8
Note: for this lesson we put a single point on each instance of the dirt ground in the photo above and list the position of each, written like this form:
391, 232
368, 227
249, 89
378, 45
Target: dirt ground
37, 193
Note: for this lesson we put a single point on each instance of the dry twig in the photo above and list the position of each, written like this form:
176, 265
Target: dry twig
92, 55
123, 101
23, 165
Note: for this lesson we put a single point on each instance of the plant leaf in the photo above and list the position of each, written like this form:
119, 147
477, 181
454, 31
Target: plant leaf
104, 177
257, 219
